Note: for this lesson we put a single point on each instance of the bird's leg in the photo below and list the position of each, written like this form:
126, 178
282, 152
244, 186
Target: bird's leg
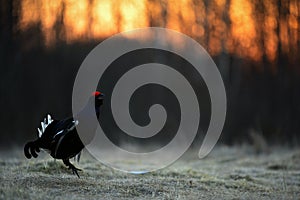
77, 157
72, 167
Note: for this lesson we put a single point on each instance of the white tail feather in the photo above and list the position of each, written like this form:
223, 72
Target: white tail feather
47, 120
40, 132
43, 127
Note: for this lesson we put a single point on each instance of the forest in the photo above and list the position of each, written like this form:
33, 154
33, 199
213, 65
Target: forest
255, 45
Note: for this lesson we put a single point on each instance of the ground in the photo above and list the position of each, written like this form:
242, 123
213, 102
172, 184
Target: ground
227, 173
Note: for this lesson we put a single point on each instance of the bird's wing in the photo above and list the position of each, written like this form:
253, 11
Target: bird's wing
64, 135
63, 127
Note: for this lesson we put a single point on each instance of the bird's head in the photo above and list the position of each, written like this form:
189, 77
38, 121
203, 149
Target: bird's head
99, 97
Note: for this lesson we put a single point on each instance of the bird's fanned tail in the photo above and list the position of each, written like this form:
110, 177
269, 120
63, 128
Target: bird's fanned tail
47, 121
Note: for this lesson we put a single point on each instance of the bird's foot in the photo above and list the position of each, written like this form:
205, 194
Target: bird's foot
72, 167
75, 170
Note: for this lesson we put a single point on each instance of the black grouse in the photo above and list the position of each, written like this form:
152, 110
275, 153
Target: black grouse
60, 137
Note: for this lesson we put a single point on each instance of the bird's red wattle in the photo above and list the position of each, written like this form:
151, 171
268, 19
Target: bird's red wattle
97, 93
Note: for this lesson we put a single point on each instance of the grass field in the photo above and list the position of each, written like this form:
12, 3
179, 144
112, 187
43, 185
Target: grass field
227, 173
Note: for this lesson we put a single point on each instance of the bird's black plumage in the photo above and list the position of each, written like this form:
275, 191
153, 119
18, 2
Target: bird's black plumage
60, 137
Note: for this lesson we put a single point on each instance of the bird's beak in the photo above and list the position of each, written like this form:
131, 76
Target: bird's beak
101, 96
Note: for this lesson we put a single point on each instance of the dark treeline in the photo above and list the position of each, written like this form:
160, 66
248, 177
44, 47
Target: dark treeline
263, 94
